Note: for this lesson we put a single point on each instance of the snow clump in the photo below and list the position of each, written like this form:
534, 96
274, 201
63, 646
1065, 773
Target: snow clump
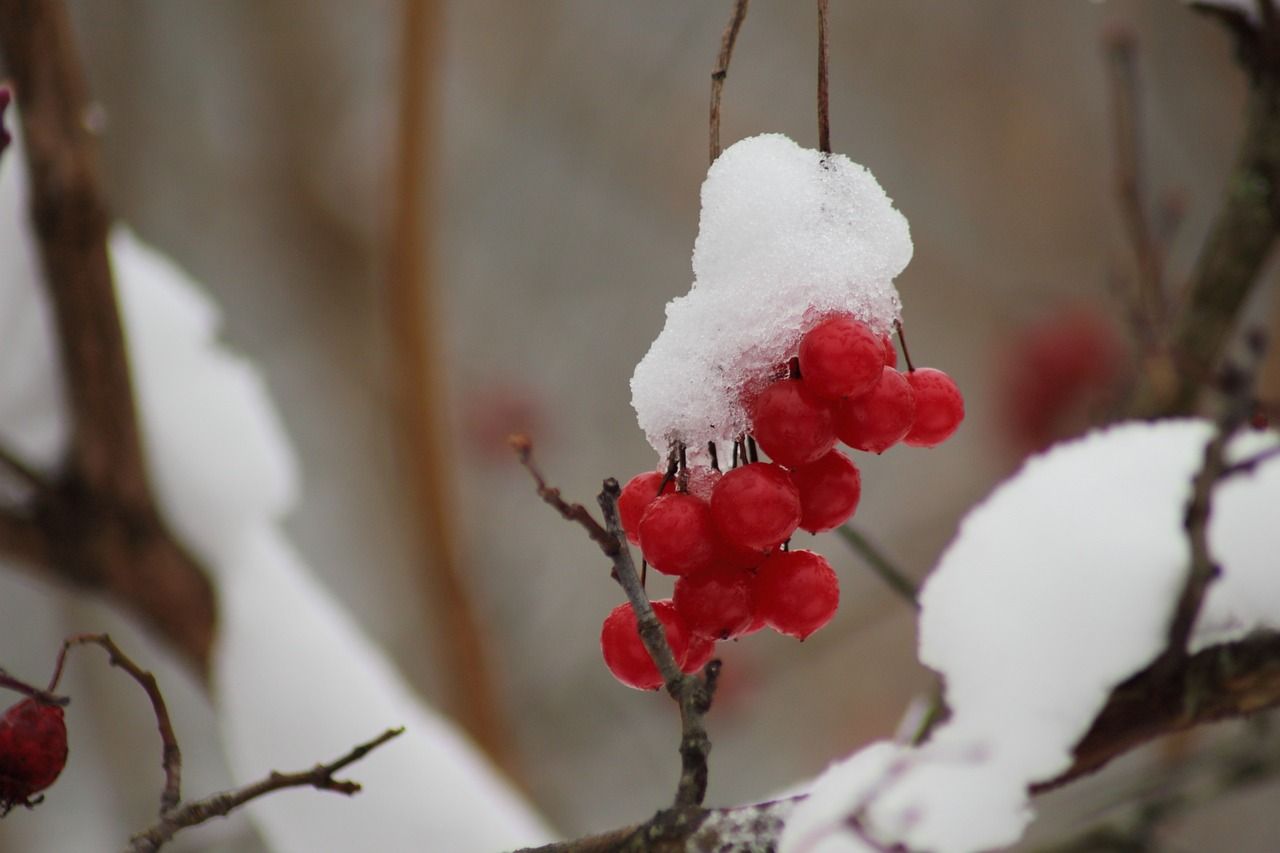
787, 236
1056, 589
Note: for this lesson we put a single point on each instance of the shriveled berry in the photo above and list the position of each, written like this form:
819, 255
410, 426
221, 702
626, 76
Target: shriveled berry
939, 407
624, 651
829, 491
640, 491
756, 506
791, 424
33, 750
701, 651
716, 605
879, 418
677, 535
796, 592
841, 357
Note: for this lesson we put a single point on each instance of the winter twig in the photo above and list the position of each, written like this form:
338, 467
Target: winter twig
883, 567
1149, 306
576, 513
197, 812
8, 682
824, 96
100, 524
721, 71
171, 756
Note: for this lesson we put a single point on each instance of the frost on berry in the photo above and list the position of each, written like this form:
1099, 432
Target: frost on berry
756, 506
841, 357
33, 751
624, 651
796, 592
788, 236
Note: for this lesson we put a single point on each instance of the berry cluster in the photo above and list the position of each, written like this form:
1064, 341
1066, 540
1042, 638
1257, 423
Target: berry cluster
725, 536
33, 750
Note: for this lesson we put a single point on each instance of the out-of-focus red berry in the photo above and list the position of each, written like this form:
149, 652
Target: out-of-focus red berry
33, 750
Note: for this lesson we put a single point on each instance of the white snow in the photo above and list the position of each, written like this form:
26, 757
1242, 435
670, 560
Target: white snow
295, 682
1056, 588
787, 236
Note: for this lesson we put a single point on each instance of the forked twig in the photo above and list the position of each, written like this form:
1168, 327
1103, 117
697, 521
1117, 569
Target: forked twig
721, 71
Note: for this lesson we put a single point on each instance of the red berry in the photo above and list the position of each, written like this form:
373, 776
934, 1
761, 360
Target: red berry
701, 651
702, 480
939, 407
890, 352
33, 750
624, 651
840, 358
640, 491
756, 506
879, 418
677, 535
796, 592
829, 491
792, 425
716, 605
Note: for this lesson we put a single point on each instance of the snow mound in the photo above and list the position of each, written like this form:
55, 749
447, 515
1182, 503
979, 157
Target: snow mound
787, 236
1056, 588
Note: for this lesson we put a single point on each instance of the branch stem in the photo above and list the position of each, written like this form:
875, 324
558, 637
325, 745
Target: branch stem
721, 71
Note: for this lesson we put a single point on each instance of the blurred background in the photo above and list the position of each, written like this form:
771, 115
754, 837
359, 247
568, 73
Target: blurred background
255, 143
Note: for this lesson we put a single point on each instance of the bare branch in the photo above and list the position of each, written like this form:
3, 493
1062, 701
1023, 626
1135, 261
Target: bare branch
576, 513
1149, 302
824, 97
48, 697
195, 813
721, 71
171, 757
882, 566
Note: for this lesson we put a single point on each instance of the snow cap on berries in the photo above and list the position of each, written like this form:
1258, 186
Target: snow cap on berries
787, 236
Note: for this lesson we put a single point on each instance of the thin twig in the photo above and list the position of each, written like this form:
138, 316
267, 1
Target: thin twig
1237, 407
24, 472
824, 98
692, 692
47, 696
1249, 463
883, 567
171, 759
576, 513
902, 341
1150, 303
721, 71
194, 813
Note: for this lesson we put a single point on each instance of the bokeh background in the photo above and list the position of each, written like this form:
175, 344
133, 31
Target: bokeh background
254, 142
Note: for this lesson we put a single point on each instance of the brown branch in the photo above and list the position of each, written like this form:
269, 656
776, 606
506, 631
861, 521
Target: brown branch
20, 470
691, 692
100, 525
5, 96
171, 755
721, 71
1239, 243
576, 513
824, 97
47, 696
1149, 308
195, 813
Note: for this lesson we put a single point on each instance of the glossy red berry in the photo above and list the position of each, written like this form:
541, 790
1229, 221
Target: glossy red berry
890, 352
841, 357
716, 605
829, 491
677, 535
33, 750
624, 651
796, 592
640, 491
879, 418
756, 506
791, 424
939, 407
701, 651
